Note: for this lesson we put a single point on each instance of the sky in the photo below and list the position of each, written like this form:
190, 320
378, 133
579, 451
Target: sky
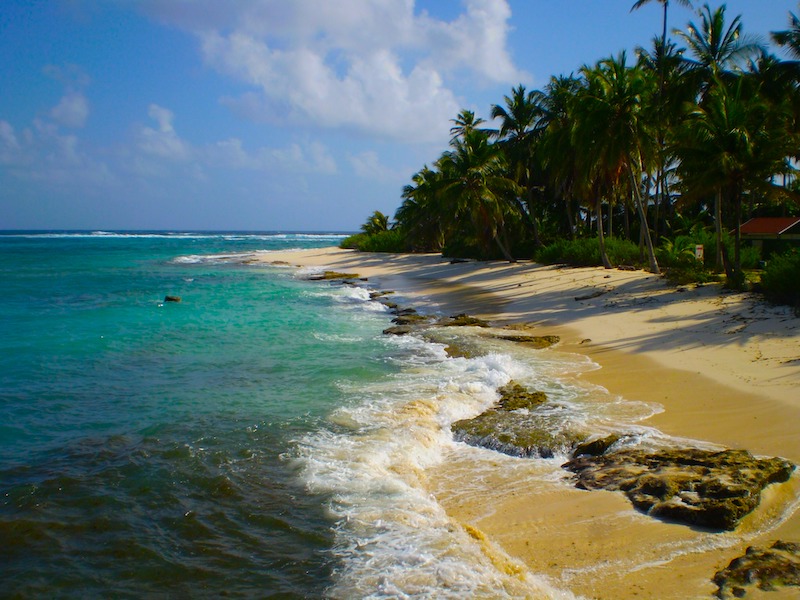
273, 115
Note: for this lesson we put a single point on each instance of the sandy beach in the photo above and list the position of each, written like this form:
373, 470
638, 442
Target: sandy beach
724, 366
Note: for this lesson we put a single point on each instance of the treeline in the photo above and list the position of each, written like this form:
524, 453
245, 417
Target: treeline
631, 161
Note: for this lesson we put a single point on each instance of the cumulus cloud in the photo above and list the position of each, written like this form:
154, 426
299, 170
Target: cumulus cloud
162, 142
378, 67
71, 111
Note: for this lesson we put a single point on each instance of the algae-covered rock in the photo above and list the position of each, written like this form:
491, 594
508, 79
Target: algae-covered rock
333, 275
768, 569
692, 486
513, 396
516, 433
463, 320
516, 426
531, 341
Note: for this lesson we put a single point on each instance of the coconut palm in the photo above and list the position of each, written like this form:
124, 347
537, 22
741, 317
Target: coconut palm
717, 49
731, 145
789, 38
376, 223
614, 138
421, 216
475, 184
463, 124
518, 124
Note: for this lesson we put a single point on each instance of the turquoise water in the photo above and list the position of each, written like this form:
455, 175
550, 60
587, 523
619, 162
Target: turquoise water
261, 438
141, 441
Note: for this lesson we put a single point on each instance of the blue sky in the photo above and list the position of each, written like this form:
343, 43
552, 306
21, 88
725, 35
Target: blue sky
271, 114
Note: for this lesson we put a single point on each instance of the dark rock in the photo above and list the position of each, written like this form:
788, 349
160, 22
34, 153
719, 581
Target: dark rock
410, 319
172, 298
381, 294
398, 330
692, 486
463, 320
765, 568
596, 447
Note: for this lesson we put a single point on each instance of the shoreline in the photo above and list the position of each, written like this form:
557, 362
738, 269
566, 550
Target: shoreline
724, 366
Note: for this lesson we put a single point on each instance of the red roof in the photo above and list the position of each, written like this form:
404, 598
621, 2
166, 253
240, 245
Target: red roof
769, 225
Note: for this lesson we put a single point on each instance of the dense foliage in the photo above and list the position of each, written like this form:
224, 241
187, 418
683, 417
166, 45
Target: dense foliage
629, 162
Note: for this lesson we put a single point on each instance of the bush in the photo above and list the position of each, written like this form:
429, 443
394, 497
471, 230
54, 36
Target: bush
585, 252
391, 240
780, 281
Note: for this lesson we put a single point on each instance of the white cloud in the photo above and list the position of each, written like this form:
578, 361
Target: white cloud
378, 67
72, 110
162, 143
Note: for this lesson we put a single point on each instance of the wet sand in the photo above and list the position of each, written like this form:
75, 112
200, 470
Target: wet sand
724, 366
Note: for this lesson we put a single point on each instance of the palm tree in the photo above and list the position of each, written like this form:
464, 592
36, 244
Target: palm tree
463, 124
475, 184
731, 145
614, 138
376, 223
789, 38
717, 48
518, 122
421, 216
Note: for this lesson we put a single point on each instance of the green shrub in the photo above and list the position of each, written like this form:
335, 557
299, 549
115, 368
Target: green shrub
585, 252
391, 240
780, 281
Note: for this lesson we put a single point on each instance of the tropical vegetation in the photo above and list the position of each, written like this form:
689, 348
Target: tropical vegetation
632, 160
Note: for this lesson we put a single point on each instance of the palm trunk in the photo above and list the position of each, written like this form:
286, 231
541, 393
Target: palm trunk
600, 237
651, 255
718, 229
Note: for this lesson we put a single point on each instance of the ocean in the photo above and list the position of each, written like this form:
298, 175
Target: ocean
262, 438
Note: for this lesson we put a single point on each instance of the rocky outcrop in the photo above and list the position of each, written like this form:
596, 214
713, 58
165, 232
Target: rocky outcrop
697, 487
462, 320
172, 298
516, 427
768, 569
327, 275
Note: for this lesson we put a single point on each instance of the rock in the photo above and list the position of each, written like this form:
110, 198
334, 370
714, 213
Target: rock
516, 433
532, 341
691, 486
411, 319
172, 298
381, 294
462, 320
596, 447
765, 568
334, 275
509, 429
513, 396
398, 330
